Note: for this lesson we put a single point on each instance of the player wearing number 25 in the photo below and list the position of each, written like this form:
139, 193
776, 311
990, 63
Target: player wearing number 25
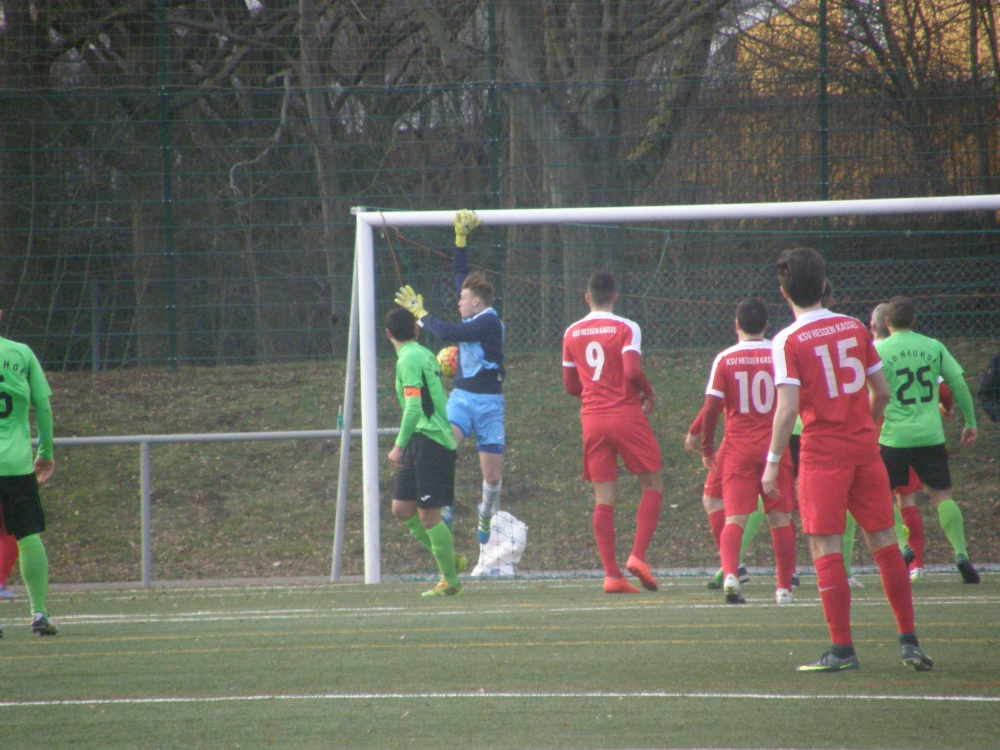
824, 365
601, 366
23, 386
912, 435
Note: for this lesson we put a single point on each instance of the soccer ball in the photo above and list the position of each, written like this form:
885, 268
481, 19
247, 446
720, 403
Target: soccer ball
448, 360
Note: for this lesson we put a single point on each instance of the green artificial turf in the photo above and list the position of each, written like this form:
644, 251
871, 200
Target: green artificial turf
525, 664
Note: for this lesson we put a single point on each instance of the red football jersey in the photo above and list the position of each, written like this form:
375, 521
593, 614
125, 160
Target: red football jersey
743, 377
595, 346
830, 356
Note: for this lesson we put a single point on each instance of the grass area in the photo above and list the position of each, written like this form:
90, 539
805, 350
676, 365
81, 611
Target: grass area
543, 664
266, 509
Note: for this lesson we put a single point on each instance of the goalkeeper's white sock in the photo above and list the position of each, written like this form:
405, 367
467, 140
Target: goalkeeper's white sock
491, 499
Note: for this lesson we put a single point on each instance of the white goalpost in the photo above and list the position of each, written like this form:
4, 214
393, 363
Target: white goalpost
364, 327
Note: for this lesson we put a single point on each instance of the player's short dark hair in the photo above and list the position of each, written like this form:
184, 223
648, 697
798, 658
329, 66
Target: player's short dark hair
479, 286
602, 288
399, 322
751, 316
900, 314
801, 273
878, 320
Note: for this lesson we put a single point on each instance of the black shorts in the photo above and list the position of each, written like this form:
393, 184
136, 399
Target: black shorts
794, 443
22, 508
929, 462
426, 475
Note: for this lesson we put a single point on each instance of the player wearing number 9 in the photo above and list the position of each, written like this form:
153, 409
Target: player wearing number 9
602, 367
822, 363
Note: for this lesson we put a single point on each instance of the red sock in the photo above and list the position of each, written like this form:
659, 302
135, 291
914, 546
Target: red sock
896, 582
913, 521
604, 531
729, 547
835, 593
717, 521
8, 555
645, 522
783, 541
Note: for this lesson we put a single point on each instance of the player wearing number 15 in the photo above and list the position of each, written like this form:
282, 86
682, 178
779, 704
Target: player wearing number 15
824, 365
601, 366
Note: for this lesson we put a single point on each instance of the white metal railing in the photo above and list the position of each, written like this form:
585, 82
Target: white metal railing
145, 474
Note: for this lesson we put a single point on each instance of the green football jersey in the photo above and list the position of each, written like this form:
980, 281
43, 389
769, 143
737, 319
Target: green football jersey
418, 374
912, 364
22, 383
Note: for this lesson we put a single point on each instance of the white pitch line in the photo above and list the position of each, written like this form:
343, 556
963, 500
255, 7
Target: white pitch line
481, 694
314, 613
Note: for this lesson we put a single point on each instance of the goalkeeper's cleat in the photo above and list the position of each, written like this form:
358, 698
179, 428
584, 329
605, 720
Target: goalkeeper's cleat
448, 516
917, 574
743, 574
969, 573
483, 531
640, 570
461, 563
5, 594
444, 589
854, 583
830, 663
716, 583
914, 656
731, 587
908, 554
782, 596
795, 582
618, 586
42, 625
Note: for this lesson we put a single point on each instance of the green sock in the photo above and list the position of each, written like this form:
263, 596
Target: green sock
419, 532
443, 549
750, 531
898, 526
847, 542
950, 517
34, 571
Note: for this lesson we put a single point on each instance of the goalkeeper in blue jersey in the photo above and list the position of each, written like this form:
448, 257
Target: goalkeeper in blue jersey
476, 403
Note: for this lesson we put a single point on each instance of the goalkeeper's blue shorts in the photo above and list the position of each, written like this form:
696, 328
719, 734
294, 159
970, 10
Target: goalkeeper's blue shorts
482, 413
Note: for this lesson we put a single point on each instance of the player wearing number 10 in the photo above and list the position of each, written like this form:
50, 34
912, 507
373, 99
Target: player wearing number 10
742, 382
601, 366
822, 365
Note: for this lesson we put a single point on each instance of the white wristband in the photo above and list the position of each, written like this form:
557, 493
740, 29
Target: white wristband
773, 458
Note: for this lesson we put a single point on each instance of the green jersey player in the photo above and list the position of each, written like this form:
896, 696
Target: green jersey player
912, 434
23, 386
424, 453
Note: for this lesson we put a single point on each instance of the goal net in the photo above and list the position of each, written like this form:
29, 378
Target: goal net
681, 270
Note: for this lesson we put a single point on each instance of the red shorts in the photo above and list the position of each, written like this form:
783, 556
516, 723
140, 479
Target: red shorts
825, 494
913, 485
741, 487
713, 480
608, 436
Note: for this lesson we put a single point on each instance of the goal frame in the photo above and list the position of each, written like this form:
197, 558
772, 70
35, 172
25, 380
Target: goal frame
363, 326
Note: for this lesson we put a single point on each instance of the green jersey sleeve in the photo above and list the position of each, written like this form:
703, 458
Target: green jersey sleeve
952, 373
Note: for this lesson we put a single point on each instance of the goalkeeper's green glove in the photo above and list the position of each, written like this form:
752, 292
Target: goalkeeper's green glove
465, 222
412, 301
